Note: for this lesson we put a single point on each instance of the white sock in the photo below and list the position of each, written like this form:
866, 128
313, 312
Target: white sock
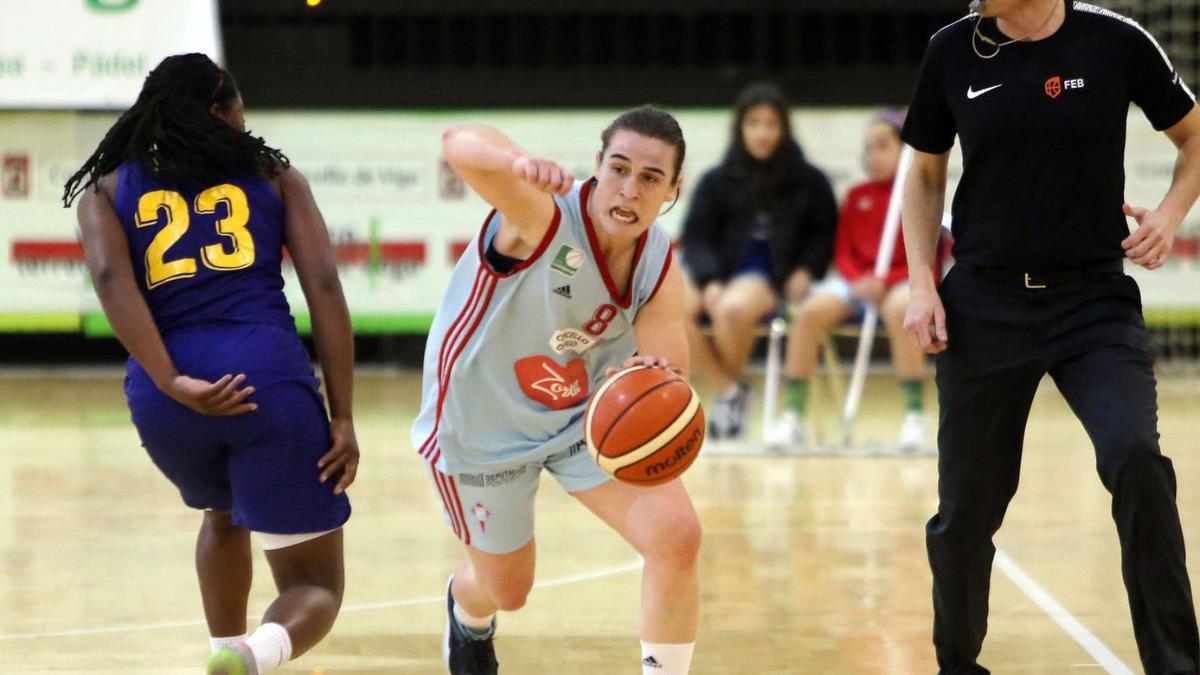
271, 646
666, 659
478, 625
226, 642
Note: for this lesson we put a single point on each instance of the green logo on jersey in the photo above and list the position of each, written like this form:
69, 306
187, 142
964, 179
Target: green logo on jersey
110, 5
567, 261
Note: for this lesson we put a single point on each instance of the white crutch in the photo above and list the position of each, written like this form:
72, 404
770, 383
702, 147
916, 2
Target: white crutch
887, 244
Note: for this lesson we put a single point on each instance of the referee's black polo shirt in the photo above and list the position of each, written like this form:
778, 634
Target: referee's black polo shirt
1043, 134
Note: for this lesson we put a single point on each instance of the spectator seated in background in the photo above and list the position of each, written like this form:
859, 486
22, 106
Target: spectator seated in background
850, 287
760, 226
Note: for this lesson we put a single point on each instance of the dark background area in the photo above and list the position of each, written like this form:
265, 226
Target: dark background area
546, 53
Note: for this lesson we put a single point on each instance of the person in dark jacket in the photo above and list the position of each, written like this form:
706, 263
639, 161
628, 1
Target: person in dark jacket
759, 229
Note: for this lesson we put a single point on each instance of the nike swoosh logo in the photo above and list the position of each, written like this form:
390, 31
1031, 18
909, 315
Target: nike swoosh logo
971, 93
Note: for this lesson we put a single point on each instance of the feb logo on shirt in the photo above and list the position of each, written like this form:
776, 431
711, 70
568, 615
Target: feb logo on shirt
554, 386
1056, 85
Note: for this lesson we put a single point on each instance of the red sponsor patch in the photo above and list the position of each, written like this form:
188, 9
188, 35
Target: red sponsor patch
554, 386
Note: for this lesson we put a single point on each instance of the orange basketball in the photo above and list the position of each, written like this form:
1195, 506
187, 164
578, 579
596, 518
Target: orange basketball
644, 426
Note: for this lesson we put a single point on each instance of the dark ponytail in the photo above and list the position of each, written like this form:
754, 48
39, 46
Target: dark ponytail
172, 131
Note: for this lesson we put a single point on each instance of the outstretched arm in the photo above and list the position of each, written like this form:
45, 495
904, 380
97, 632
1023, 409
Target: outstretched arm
517, 185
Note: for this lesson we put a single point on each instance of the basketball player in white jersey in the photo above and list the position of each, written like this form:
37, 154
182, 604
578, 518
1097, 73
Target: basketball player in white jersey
565, 281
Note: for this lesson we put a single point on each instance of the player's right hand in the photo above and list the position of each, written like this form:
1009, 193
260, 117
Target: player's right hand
925, 320
543, 174
341, 461
226, 396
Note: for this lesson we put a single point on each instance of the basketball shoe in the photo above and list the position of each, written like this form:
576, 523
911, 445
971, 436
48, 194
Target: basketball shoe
786, 434
232, 661
914, 431
463, 653
730, 411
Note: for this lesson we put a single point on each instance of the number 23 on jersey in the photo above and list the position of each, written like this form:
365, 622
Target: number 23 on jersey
169, 210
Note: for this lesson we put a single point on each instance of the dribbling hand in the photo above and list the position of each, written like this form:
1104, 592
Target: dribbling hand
647, 361
342, 457
543, 174
222, 397
925, 321
1151, 243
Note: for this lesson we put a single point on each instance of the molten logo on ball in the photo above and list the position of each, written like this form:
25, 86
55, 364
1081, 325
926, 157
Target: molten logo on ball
681, 453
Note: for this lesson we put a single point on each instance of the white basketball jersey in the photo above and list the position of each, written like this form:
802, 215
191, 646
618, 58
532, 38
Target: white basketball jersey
512, 358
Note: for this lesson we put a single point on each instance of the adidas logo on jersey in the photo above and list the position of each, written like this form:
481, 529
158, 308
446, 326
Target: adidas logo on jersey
651, 662
564, 291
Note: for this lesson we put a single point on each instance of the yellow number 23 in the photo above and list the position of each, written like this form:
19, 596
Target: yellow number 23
170, 210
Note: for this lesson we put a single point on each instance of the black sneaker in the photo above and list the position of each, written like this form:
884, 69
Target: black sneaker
463, 654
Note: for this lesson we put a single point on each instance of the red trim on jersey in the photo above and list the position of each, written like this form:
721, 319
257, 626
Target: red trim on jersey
623, 300
662, 275
479, 276
537, 253
462, 517
441, 488
488, 289
474, 310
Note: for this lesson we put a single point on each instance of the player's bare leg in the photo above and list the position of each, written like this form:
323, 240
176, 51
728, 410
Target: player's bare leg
661, 524
224, 567
485, 583
310, 579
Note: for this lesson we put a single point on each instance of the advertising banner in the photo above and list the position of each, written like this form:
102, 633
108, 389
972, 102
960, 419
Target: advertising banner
94, 54
399, 217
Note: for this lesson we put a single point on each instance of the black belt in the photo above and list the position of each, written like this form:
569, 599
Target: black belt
1045, 278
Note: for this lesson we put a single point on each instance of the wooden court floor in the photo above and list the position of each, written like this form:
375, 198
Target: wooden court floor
812, 565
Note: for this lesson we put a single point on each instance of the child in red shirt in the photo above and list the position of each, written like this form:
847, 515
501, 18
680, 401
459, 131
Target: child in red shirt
846, 291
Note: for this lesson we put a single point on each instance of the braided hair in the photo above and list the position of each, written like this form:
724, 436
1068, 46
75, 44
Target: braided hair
171, 130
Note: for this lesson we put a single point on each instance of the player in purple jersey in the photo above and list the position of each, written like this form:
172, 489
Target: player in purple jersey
183, 229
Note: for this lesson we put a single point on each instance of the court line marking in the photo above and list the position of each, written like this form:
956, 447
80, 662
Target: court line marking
360, 607
1059, 614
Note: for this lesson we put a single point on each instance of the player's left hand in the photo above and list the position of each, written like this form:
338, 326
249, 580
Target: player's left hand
1152, 241
342, 457
647, 361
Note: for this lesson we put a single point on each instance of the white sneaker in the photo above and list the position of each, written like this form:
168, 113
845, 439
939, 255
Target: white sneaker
786, 433
914, 432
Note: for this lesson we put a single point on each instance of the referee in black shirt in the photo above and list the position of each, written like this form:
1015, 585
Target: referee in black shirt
1038, 92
